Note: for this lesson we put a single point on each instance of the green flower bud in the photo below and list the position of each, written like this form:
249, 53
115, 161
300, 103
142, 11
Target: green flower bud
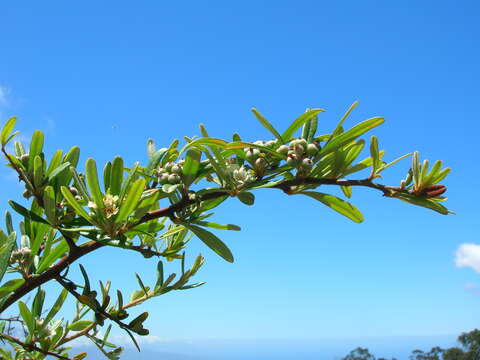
283, 149
252, 155
291, 161
307, 163
176, 169
173, 179
312, 149
299, 150
260, 164
163, 179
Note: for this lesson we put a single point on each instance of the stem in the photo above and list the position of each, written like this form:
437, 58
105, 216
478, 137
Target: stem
169, 211
31, 347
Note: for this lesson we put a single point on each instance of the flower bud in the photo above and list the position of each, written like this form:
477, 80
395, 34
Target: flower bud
73, 190
291, 161
312, 149
176, 169
299, 150
283, 149
260, 163
173, 179
163, 179
307, 163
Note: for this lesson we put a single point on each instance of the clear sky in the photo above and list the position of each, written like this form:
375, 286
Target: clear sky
108, 75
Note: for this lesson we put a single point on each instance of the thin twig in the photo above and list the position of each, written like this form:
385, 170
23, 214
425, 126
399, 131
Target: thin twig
32, 347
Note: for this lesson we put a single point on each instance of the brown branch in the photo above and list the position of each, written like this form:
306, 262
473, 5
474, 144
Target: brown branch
31, 347
169, 211
35, 281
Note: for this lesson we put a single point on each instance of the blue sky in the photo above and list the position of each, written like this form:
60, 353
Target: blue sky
107, 76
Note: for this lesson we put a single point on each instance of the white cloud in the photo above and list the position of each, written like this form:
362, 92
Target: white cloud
3, 95
468, 255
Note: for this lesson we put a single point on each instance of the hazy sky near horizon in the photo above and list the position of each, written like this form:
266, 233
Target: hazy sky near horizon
109, 75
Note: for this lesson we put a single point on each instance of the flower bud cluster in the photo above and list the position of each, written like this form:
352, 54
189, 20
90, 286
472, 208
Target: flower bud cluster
300, 154
170, 173
258, 159
21, 256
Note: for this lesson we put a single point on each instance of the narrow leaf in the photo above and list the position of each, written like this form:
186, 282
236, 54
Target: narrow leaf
302, 119
190, 168
212, 242
7, 129
267, 125
341, 206
116, 177
133, 197
351, 134
92, 181
75, 204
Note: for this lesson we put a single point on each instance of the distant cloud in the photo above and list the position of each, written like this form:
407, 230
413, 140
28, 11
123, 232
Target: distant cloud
3, 95
468, 255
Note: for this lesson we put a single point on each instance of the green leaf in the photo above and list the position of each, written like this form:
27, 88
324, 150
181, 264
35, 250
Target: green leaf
302, 119
440, 176
341, 206
57, 306
75, 204
107, 173
267, 125
8, 222
49, 204
347, 191
156, 158
339, 127
140, 282
374, 154
58, 170
246, 197
190, 168
36, 147
116, 177
351, 134
7, 243
133, 197
92, 181
27, 213
126, 184
426, 203
212, 242
71, 157
313, 128
386, 166
50, 257
218, 226
55, 161
10, 286
27, 316
80, 325
37, 304
80, 184
37, 171
7, 129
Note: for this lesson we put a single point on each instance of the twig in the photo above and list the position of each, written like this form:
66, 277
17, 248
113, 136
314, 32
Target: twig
32, 347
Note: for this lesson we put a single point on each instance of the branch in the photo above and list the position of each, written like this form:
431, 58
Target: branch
35, 281
31, 347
